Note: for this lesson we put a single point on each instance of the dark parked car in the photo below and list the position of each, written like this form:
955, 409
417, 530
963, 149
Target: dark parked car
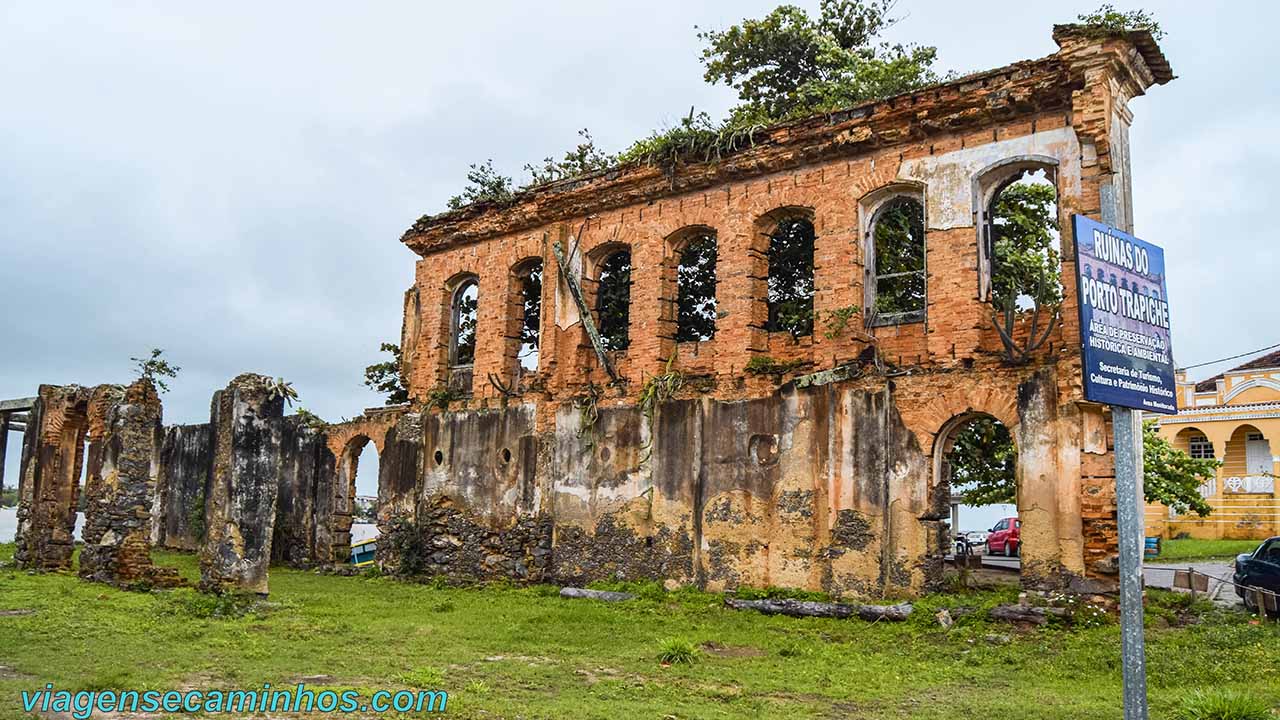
1260, 569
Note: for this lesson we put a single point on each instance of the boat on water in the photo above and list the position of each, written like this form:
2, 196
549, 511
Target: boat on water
362, 552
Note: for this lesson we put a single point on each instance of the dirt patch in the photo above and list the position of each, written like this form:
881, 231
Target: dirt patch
17, 613
731, 651
8, 673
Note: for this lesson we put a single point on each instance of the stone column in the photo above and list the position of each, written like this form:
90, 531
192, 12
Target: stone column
120, 489
48, 486
241, 507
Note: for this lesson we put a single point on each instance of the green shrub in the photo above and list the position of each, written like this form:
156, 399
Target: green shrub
207, 605
1221, 705
424, 677
765, 365
677, 651
406, 545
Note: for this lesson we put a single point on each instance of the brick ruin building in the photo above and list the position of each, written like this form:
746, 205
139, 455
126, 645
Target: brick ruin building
775, 447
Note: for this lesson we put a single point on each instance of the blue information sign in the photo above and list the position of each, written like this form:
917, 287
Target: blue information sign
1124, 319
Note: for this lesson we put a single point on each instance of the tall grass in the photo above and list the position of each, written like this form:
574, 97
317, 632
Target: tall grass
1221, 705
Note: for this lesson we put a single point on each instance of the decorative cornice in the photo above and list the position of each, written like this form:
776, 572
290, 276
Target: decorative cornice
1256, 411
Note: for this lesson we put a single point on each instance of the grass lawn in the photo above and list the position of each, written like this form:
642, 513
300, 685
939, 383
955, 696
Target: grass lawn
1177, 550
506, 652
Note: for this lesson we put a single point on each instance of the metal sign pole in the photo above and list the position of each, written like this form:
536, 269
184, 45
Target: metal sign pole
1126, 424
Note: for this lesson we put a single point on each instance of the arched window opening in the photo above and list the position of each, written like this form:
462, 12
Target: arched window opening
613, 300
898, 261
791, 277
1025, 264
696, 289
529, 282
466, 304
365, 508
1200, 447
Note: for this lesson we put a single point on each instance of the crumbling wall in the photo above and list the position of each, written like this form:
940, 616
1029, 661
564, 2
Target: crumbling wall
307, 475
121, 427
241, 506
475, 495
120, 487
186, 469
829, 483
49, 481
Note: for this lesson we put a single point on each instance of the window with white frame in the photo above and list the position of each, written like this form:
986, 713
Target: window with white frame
897, 282
1200, 448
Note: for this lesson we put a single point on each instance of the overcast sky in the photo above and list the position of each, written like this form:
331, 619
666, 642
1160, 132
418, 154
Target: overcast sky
229, 181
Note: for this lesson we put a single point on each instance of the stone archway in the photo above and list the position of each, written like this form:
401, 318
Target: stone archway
978, 452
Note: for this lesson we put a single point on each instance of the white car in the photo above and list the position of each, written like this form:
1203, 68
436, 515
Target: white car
966, 542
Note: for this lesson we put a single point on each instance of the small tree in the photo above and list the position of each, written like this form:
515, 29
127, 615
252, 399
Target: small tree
1026, 268
983, 463
384, 377
484, 184
583, 159
1107, 19
1173, 477
788, 64
983, 460
155, 369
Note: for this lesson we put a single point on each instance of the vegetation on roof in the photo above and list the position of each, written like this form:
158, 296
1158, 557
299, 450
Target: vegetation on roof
784, 66
1106, 20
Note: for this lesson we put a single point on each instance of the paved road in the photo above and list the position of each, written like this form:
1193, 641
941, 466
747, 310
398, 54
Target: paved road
1157, 575
1161, 576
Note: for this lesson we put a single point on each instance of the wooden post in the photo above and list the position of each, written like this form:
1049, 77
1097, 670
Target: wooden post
575, 291
4, 442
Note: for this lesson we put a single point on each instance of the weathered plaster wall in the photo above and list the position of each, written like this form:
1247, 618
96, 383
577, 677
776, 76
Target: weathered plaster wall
828, 486
186, 467
241, 505
307, 488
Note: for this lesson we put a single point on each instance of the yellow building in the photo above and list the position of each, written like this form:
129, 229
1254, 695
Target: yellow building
1233, 417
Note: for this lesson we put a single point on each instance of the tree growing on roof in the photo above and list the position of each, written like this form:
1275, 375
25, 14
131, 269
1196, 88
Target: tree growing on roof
788, 64
155, 369
484, 184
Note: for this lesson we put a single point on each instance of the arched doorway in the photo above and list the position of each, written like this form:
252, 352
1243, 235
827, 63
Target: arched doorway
356, 503
976, 477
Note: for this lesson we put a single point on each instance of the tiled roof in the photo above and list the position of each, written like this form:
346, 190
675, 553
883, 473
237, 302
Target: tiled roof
1270, 360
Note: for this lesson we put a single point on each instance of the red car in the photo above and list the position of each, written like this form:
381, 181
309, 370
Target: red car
1004, 538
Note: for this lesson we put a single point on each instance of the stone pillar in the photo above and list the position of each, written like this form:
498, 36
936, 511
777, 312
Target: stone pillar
49, 481
121, 486
241, 507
